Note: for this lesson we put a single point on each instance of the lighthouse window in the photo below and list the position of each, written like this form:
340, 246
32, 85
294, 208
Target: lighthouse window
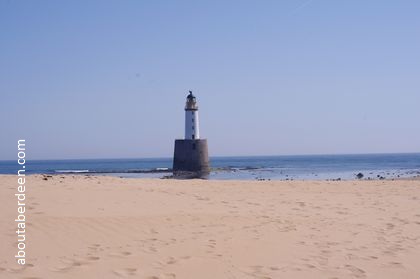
193, 127
193, 146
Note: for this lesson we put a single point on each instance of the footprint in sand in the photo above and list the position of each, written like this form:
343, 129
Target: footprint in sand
301, 204
396, 264
129, 271
150, 249
309, 266
94, 246
15, 270
92, 258
68, 264
355, 271
79, 263
212, 243
257, 271
389, 226
120, 254
171, 260
61, 268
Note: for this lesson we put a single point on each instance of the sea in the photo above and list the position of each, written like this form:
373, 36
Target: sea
299, 167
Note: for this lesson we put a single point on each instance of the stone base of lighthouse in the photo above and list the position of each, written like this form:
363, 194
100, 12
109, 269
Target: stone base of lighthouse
191, 156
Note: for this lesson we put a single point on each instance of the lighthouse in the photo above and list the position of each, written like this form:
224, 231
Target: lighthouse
191, 153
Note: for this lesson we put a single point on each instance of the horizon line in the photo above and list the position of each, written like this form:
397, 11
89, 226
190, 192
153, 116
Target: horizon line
226, 156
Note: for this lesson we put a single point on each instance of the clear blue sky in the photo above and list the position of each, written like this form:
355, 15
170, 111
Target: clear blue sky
108, 79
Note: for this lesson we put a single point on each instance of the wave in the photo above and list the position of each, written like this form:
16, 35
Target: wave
234, 168
71, 171
155, 170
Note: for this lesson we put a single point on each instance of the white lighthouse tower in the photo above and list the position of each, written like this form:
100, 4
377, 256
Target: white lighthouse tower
192, 130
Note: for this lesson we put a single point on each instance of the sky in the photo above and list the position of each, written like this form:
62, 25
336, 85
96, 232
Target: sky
108, 79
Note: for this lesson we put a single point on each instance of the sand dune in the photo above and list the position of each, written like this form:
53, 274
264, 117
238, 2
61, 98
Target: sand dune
105, 227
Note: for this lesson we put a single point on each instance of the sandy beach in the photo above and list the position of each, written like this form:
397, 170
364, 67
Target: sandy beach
108, 227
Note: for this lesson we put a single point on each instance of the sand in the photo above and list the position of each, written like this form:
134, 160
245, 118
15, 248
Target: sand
108, 227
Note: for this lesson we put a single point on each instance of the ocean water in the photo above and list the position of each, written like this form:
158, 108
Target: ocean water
318, 167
